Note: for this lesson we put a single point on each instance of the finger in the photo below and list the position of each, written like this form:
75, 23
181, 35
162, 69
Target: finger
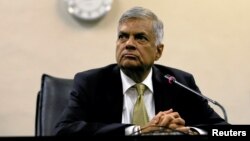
165, 120
156, 118
168, 117
168, 111
173, 126
183, 129
175, 114
178, 121
149, 128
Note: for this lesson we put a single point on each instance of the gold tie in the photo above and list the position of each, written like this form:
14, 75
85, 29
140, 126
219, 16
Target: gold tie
140, 116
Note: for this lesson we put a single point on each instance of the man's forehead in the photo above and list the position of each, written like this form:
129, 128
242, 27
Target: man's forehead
141, 26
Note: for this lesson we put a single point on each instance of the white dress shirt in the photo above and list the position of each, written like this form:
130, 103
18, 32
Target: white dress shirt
130, 97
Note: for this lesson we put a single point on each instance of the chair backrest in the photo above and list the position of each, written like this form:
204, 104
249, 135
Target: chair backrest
51, 100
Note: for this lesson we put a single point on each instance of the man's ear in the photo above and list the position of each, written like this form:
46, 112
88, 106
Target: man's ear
159, 50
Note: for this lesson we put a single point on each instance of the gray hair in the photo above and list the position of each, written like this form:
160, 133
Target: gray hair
142, 13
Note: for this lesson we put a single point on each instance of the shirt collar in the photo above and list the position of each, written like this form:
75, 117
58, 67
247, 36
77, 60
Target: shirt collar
127, 82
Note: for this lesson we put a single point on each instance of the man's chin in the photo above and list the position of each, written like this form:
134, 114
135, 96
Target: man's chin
132, 67
129, 64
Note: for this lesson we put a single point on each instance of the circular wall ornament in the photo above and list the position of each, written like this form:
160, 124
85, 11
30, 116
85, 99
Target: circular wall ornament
89, 10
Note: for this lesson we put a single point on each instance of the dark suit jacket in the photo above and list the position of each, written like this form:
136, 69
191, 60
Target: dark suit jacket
96, 102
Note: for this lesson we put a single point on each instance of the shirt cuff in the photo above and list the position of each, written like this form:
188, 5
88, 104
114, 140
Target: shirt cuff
200, 131
133, 130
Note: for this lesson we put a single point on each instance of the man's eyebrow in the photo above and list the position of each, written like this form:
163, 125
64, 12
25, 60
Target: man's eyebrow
141, 33
136, 34
122, 32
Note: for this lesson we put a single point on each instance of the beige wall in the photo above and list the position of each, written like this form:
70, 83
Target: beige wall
209, 38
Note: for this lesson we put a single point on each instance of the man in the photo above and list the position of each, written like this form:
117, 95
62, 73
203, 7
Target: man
102, 100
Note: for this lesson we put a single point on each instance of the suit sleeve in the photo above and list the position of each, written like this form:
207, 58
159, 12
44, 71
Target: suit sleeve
77, 118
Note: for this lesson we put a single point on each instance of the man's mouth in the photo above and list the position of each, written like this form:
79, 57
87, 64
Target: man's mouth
129, 56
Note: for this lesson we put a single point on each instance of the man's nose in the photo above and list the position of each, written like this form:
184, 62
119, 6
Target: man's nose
130, 43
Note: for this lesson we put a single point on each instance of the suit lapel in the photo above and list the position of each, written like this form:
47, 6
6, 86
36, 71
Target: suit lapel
163, 92
115, 96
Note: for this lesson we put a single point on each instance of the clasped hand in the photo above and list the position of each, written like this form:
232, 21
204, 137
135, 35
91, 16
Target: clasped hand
167, 121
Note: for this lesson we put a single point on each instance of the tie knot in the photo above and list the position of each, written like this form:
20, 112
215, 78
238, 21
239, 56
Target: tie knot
140, 88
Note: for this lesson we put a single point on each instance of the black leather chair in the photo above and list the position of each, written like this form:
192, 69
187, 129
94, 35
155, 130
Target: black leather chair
51, 100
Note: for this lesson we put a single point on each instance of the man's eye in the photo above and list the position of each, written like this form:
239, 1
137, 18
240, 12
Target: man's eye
141, 38
121, 36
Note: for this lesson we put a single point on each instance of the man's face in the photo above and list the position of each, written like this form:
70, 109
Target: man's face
135, 46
